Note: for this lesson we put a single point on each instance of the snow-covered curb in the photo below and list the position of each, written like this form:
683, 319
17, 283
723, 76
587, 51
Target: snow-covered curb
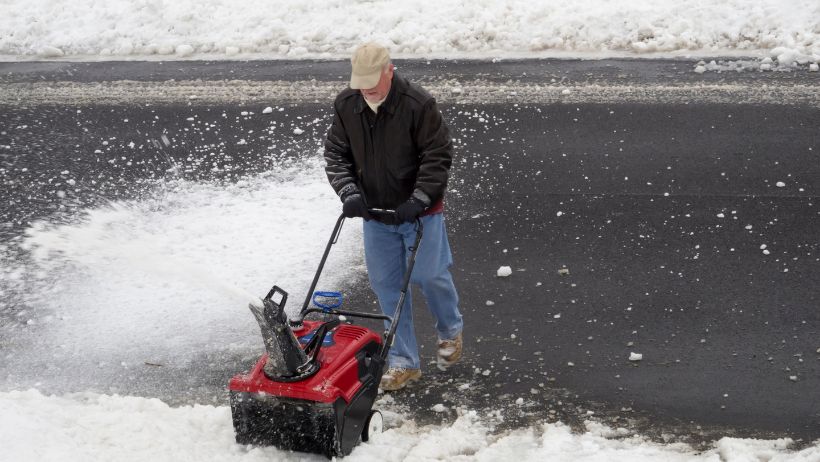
787, 31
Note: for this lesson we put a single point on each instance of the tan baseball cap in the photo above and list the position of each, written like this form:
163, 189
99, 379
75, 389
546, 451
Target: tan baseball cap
368, 62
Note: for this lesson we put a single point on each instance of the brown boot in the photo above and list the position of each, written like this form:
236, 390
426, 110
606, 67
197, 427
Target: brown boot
396, 378
449, 351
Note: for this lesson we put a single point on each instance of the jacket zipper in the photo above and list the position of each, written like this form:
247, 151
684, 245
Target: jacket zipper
377, 161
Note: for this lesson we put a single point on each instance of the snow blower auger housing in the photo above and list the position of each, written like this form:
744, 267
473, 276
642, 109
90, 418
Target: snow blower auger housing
314, 389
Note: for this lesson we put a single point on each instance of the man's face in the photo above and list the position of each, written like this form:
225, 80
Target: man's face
380, 91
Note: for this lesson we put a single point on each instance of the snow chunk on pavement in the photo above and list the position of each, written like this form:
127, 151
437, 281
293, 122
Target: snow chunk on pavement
780, 184
635, 356
503, 271
184, 50
267, 110
49, 52
298, 131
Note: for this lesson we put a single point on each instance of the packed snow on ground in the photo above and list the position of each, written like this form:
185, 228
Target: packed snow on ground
89, 427
787, 31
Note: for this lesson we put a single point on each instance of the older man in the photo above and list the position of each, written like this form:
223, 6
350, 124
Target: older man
389, 148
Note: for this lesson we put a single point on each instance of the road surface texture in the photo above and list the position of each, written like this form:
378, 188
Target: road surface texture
642, 207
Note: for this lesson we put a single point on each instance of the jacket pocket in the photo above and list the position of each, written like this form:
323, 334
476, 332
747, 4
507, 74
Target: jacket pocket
403, 161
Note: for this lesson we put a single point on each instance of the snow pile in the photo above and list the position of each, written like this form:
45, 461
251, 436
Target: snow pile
788, 31
91, 427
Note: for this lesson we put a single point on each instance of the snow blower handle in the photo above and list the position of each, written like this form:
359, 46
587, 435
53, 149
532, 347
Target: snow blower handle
334, 237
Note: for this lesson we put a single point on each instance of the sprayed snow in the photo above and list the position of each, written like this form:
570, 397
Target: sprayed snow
786, 31
174, 272
89, 426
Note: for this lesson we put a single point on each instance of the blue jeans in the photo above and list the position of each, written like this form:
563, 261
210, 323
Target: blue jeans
386, 253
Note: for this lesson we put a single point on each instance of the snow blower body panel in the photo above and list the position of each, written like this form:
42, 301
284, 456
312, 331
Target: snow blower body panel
344, 361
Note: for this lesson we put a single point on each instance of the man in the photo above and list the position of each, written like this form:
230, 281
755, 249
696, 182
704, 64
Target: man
389, 148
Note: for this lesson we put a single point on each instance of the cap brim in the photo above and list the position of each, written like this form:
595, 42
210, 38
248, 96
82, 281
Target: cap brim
359, 82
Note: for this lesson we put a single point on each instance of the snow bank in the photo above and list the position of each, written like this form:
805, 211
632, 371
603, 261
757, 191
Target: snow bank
91, 427
789, 31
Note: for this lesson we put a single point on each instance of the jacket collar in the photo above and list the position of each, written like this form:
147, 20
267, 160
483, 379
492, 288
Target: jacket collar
397, 86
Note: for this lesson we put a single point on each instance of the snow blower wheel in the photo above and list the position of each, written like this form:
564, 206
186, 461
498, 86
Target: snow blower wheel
314, 388
374, 425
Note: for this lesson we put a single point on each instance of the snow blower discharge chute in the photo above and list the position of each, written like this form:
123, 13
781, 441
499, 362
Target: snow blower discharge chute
314, 389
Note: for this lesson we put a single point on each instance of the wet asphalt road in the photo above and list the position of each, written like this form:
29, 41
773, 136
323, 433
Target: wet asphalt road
657, 213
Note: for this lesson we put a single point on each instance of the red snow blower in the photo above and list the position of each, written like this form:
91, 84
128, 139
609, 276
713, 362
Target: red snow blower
314, 389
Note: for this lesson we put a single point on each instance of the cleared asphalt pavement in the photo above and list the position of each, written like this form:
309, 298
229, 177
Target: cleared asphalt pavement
643, 208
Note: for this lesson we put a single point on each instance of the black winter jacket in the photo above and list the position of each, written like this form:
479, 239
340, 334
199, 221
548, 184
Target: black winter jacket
403, 150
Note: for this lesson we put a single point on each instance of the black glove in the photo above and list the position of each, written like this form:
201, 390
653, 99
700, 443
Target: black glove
354, 206
410, 210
